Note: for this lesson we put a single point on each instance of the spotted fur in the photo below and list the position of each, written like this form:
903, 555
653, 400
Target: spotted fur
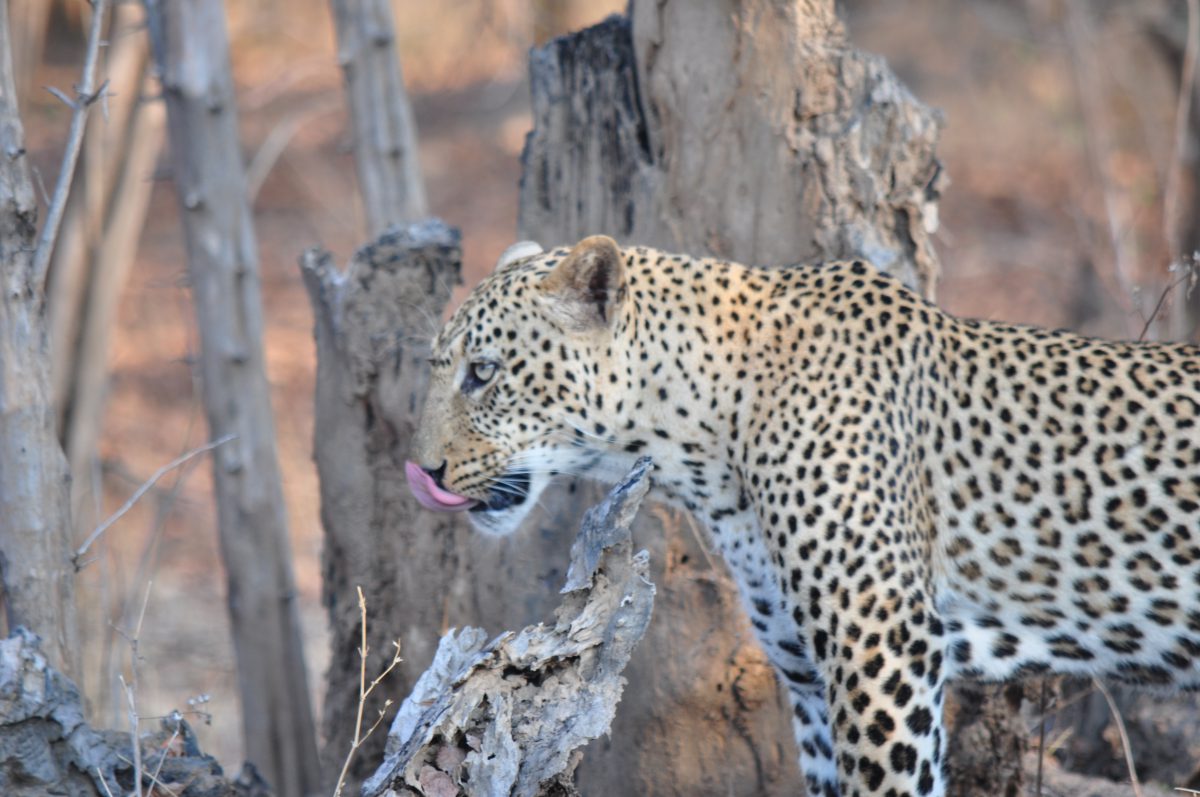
903, 496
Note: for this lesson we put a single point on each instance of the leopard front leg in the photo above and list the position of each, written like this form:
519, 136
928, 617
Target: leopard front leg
884, 677
810, 724
771, 616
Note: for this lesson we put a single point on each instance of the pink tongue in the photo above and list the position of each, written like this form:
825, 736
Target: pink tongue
429, 495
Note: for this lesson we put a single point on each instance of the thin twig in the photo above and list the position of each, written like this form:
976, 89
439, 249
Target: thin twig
87, 96
1041, 738
162, 760
364, 692
1120, 723
1161, 299
145, 488
131, 713
103, 782
1183, 109
131, 691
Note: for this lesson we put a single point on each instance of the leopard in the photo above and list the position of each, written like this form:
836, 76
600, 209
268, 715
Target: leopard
902, 496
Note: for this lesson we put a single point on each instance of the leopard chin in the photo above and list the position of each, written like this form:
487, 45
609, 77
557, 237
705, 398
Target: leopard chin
506, 511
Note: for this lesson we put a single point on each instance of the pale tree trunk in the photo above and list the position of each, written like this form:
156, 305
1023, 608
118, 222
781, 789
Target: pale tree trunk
1176, 29
385, 134
192, 51
35, 522
748, 130
97, 244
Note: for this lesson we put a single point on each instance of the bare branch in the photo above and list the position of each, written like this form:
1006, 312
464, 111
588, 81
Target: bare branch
363, 692
67, 101
1162, 298
103, 782
87, 96
145, 488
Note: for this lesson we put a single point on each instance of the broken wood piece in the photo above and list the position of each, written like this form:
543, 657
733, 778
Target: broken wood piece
46, 746
509, 716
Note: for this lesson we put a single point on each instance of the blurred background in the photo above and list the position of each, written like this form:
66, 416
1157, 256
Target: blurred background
1059, 136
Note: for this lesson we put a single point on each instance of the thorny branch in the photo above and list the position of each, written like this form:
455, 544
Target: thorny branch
87, 97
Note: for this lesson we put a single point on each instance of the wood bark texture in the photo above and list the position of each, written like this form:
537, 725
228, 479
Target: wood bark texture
373, 325
385, 133
508, 717
751, 131
35, 523
192, 51
47, 747
747, 130
421, 572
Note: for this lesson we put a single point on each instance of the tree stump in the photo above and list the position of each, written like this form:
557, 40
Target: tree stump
750, 131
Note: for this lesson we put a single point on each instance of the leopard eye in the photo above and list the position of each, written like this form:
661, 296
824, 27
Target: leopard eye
479, 373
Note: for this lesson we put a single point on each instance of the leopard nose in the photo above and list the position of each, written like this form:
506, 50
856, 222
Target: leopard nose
437, 474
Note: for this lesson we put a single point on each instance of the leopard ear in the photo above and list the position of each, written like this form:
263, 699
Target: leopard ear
587, 284
518, 251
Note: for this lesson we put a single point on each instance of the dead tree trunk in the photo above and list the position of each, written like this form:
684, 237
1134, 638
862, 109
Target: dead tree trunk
1175, 27
373, 326
385, 135
35, 523
747, 130
192, 53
